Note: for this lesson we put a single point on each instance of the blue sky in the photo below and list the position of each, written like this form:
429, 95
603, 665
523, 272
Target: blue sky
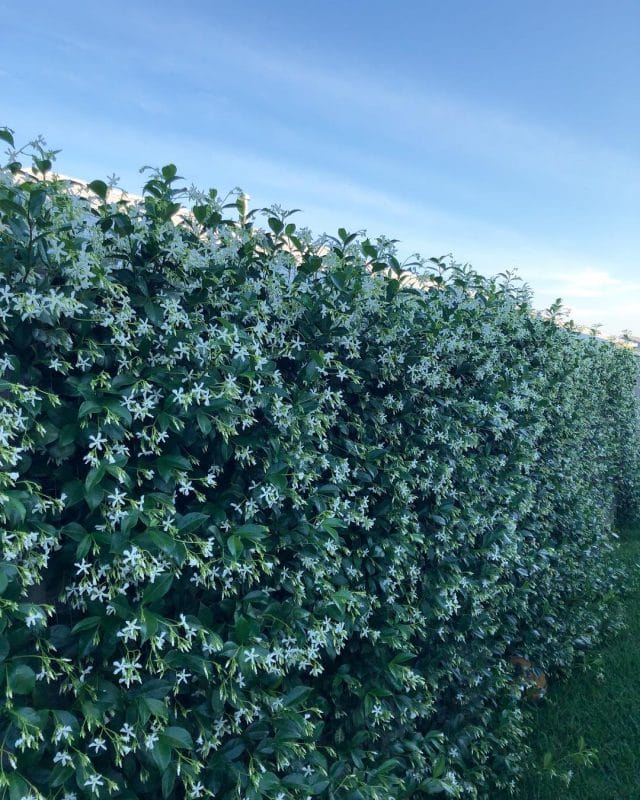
505, 133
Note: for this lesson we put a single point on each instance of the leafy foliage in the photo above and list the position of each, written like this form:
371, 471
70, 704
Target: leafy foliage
276, 513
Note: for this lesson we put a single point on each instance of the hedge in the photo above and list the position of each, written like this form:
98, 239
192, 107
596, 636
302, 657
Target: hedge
278, 512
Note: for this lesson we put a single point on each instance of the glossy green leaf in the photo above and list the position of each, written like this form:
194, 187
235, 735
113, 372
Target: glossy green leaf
20, 678
177, 737
158, 588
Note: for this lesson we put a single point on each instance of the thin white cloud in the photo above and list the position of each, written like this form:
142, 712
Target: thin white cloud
590, 283
211, 59
420, 116
406, 125
595, 295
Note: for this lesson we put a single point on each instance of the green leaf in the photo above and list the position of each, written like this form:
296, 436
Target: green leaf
6, 135
4, 648
318, 787
94, 476
66, 718
168, 782
178, 737
204, 423
368, 249
168, 464
12, 208
251, 531
192, 521
68, 434
158, 588
75, 492
92, 712
32, 718
439, 767
165, 542
296, 779
60, 775
14, 509
115, 407
200, 213
122, 224
94, 497
150, 624
233, 748
432, 786
120, 474
128, 522
100, 188
88, 408
309, 266
36, 201
169, 172
161, 753
86, 624
18, 788
269, 782
84, 545
295, 696
393, 287
235, 545
8, 573
157, 707
20, 678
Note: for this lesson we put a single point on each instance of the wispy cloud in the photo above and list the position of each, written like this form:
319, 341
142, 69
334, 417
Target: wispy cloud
440, 171
223, 64
423, 117
594, 295
591, 283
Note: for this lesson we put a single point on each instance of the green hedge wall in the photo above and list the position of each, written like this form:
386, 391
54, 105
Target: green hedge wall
275, 515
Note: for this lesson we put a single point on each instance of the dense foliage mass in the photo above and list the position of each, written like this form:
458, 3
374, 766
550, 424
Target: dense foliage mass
275, 514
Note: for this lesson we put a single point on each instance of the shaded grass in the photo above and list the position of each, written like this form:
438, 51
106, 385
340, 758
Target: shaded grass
590, 723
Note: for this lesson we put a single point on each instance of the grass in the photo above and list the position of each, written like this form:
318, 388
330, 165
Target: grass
590, 723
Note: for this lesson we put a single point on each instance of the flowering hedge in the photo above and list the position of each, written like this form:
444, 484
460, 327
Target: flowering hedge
276, 515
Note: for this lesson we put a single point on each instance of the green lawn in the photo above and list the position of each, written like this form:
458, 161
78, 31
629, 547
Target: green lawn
598, 712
